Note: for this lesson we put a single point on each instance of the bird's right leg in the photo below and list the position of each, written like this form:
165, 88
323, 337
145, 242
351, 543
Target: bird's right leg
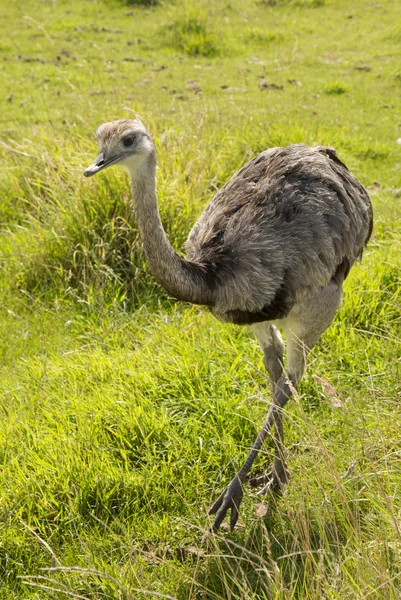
296, 358
231, 497
272, 345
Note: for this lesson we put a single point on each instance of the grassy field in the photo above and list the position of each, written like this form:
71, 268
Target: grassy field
124, 413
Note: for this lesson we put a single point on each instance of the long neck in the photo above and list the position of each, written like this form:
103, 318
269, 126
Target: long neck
182, 279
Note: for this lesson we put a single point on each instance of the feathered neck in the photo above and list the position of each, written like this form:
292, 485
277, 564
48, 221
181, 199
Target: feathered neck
183, 279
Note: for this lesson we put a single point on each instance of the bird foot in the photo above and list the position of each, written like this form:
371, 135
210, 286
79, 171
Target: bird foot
230, 499
272, 482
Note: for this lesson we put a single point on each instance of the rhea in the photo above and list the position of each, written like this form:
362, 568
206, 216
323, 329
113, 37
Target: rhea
271, 251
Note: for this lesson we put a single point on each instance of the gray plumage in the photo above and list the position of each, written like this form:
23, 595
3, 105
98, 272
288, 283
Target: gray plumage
279, 230
272, 249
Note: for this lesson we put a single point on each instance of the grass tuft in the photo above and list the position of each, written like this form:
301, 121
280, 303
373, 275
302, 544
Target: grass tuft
258, 35
193, 35
335, 88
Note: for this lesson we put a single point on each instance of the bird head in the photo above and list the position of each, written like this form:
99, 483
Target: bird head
124, 142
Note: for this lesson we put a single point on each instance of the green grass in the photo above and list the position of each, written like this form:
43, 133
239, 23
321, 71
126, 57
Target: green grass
192, 35
335, 88
124, 413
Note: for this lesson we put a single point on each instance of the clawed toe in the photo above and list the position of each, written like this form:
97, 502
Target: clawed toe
230, 499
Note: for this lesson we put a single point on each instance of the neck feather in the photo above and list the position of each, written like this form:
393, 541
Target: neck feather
182, 279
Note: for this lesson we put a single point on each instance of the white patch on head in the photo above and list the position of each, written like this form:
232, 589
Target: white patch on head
143, 148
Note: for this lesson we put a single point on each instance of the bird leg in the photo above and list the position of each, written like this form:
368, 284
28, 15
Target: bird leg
231, 497
303, 330
272, 345
275, 480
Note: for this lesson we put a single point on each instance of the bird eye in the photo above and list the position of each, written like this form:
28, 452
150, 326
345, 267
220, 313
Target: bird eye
129, 140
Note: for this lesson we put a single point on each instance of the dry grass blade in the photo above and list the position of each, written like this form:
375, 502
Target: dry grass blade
330, 392
55, 561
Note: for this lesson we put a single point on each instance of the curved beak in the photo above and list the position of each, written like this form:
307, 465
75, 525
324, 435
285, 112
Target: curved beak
100, 163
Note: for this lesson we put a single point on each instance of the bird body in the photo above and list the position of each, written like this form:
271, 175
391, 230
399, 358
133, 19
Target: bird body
271, 250
283, 226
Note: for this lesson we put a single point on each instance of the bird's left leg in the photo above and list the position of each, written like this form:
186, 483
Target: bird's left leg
272, 344
302, 328
282, 391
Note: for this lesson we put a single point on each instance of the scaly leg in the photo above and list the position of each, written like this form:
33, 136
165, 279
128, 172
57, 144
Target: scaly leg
231, 497
278, 476
272, 345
